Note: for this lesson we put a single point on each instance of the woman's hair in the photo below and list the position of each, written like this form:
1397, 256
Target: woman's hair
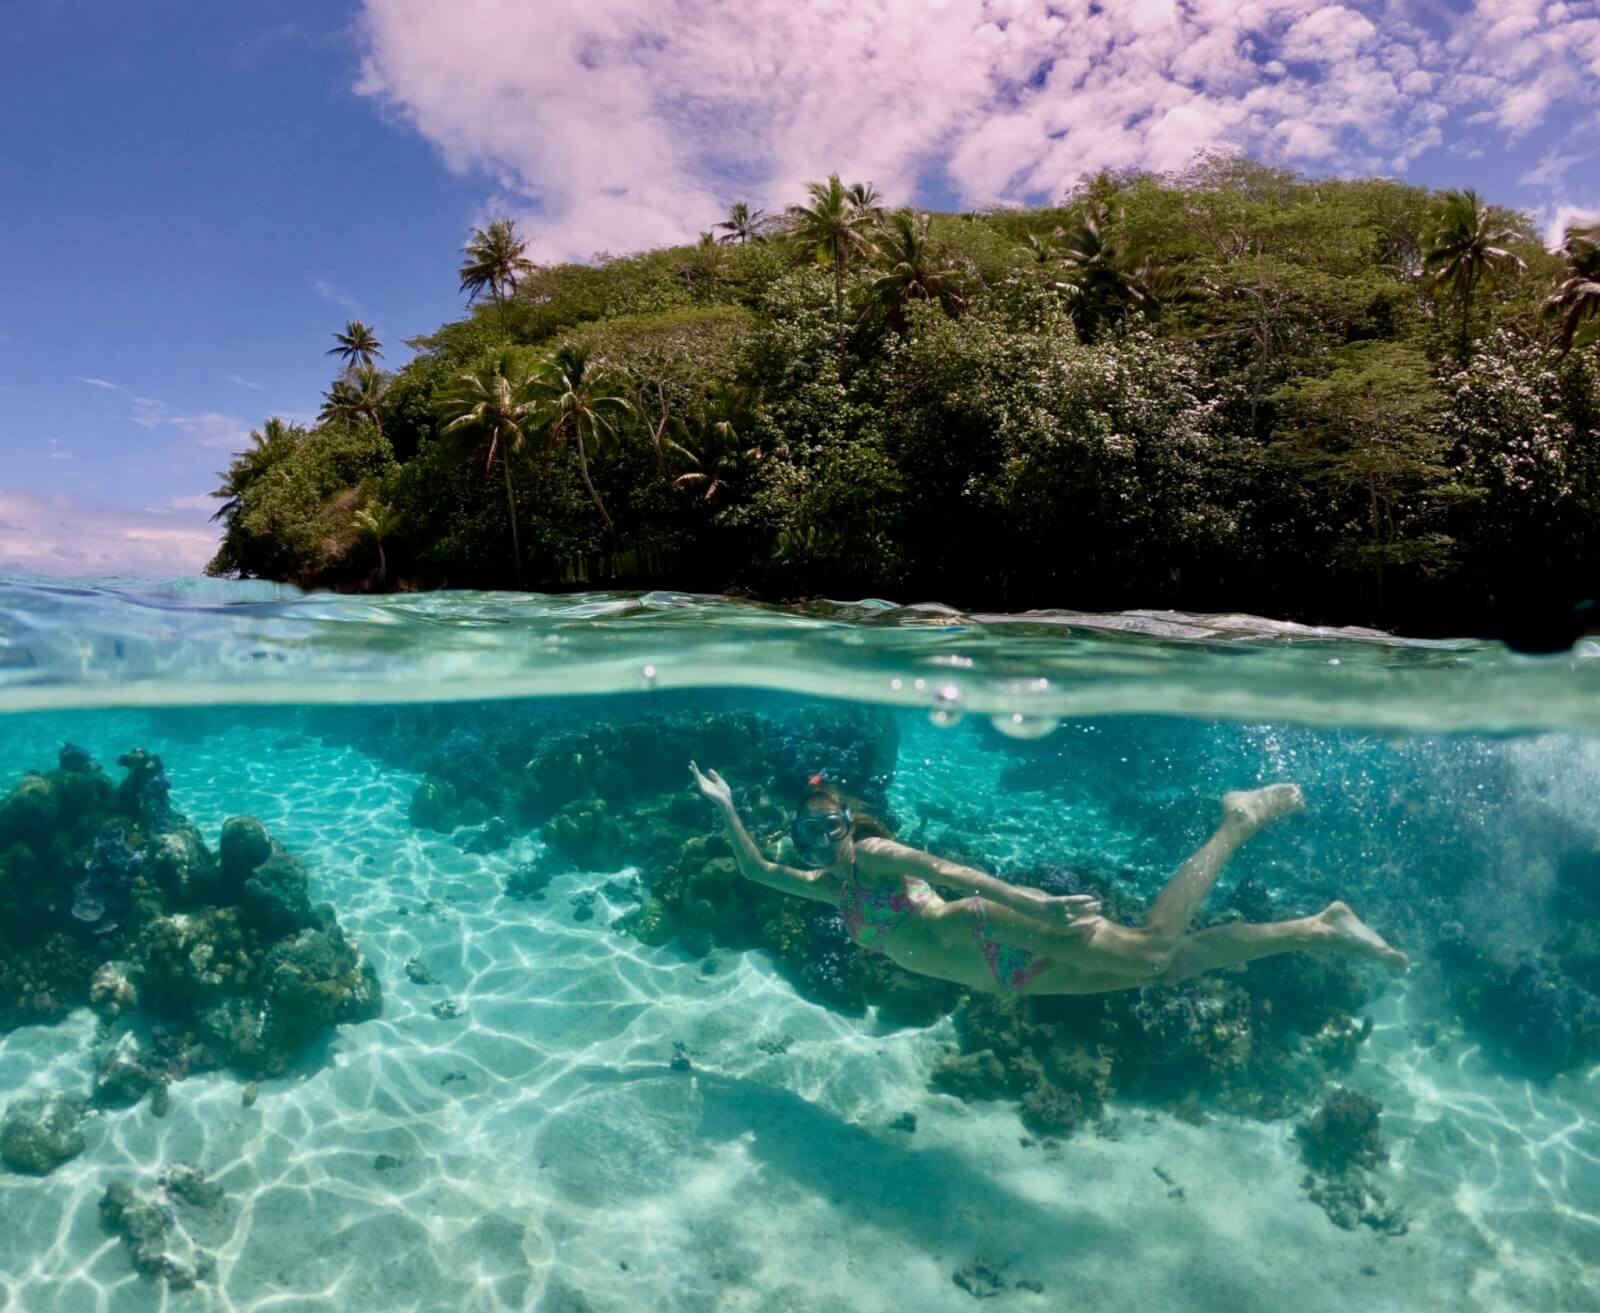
820, 796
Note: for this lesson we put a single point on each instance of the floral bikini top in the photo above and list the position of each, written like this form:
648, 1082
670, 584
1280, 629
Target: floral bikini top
872, 915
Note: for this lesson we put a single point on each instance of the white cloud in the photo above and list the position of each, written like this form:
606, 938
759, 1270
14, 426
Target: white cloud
211, 429
341, 298
621, 124
66, 536
1558, 218
244, 382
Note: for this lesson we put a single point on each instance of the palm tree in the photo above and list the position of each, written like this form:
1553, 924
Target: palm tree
268, 445
865, 200
742, 224
1578, 297
1465, 244
911, 270
374, 523
1044, 248
496, 258
711, 441
501, 404
834, 226
358, 345
574, 403
1097, 276
356, 394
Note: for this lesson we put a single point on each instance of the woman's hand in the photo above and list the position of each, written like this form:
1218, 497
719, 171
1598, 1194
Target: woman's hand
712, 786
1073, 909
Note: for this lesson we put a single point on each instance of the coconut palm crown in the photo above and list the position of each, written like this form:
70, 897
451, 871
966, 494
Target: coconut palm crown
834, 226
500, 404
356, 394
742, 224
1575, 304
911, 269
1466, 243
357, 346
576, 403
497, 256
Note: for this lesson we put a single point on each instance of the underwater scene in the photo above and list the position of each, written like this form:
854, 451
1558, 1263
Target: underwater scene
389, 954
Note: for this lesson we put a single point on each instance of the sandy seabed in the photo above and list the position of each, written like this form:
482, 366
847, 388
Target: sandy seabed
539, 1152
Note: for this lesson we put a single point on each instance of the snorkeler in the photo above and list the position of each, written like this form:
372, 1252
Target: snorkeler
1012, 939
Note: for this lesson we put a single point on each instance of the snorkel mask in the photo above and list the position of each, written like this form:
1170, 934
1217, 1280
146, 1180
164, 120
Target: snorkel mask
815, 833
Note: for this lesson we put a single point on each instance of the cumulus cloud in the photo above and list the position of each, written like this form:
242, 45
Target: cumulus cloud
619, 124
1558, 218
66, 536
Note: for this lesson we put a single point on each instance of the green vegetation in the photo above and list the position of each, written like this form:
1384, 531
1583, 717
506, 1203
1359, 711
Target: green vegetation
1236, 388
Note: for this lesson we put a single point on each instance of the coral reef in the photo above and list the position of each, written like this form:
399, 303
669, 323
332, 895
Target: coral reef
1343, 1134
1538, 1012
158, 1243
527, 772
1353, 1201
1343, 1143
40, 1132
110, 898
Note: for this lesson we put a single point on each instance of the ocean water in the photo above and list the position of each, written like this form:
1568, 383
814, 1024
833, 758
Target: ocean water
543, 1049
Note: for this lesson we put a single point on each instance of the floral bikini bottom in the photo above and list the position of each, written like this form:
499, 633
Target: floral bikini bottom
1014, 968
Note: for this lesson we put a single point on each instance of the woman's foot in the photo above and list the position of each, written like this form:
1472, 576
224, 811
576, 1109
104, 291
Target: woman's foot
1253, 808
1356, 936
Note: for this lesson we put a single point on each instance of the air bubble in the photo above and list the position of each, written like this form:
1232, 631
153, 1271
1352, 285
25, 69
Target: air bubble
1018, 726
648, 676
947, 706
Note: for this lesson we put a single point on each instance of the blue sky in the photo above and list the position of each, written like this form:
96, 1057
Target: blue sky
198, 195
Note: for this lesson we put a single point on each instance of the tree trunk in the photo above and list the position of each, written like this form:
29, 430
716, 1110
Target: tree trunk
658, 429
383, 565
1466, 315
511, 508
583, 468
838, 292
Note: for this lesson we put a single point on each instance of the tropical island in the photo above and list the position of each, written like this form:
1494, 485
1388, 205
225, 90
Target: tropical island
1237, 388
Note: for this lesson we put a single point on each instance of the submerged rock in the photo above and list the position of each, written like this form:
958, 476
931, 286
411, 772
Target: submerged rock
158, 1245
40, 1132
982, 1278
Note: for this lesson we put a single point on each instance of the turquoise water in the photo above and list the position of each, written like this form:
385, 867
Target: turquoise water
596, 1070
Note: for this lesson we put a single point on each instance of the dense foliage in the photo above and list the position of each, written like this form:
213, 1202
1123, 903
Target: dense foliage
1351, 401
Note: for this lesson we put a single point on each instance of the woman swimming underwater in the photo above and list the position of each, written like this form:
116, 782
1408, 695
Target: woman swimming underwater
1011, 939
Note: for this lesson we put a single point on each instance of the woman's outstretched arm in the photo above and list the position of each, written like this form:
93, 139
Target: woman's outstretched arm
886, 855
753, 863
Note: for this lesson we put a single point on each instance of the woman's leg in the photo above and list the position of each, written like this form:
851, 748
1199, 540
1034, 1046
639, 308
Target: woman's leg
1139, 953
1336, 927
1243, 813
